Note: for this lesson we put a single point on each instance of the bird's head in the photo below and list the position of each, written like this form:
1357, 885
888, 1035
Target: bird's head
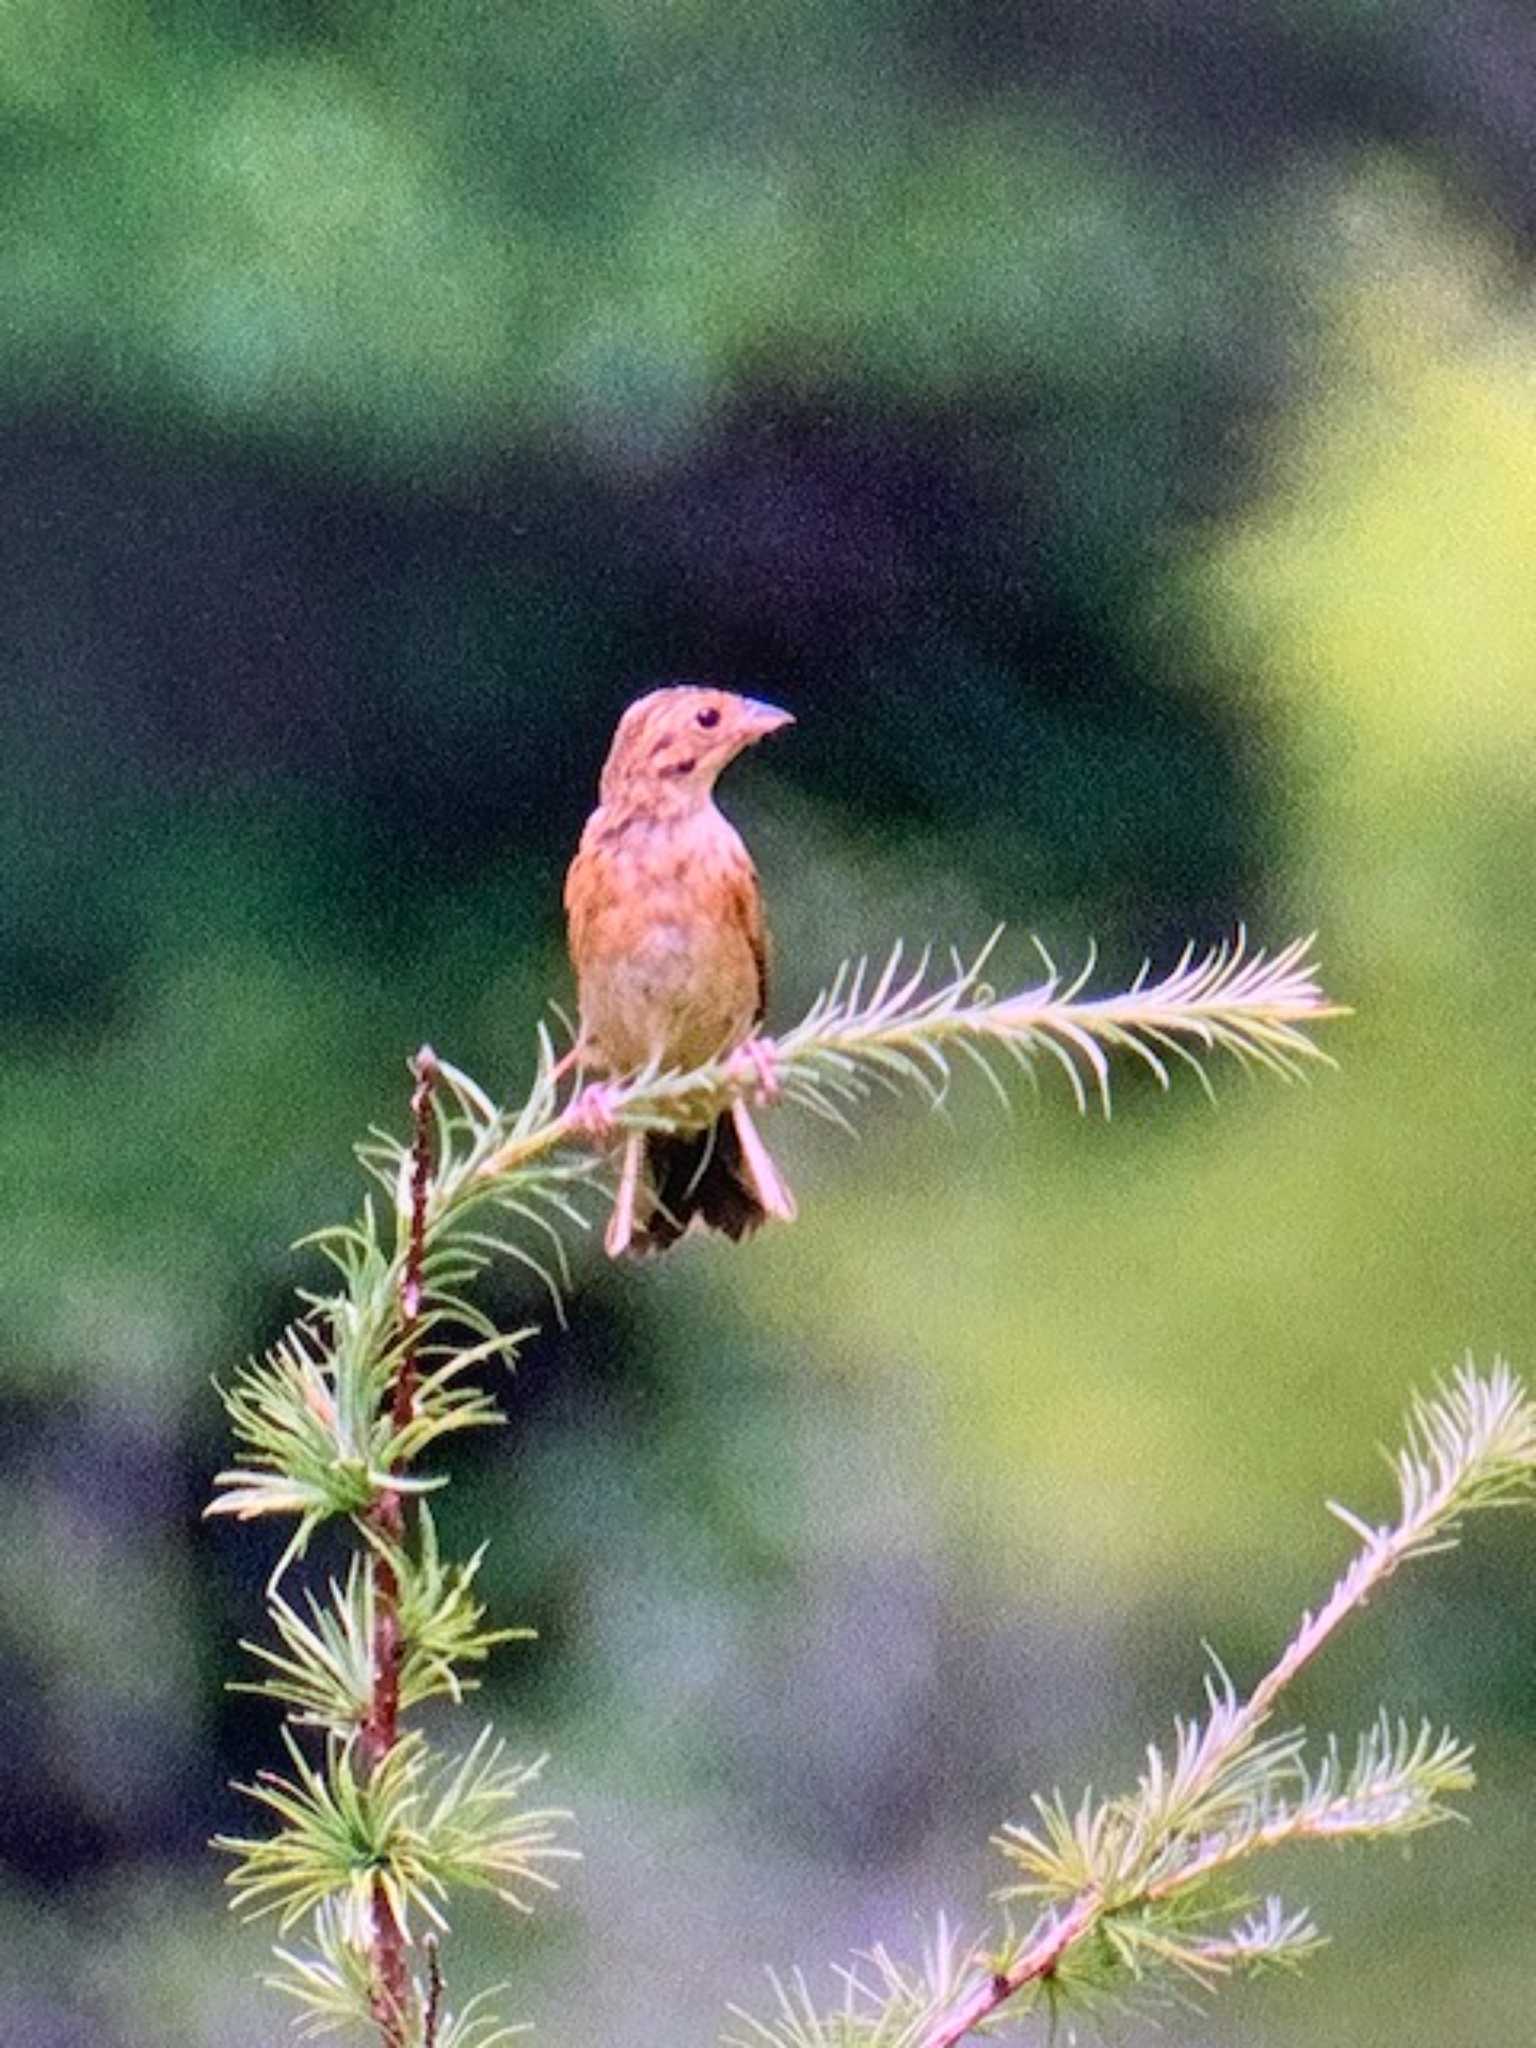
672, 743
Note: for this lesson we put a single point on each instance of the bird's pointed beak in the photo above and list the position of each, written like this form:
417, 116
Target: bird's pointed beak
762, 719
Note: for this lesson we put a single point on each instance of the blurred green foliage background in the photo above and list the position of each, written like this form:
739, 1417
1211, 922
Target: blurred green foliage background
1110, 425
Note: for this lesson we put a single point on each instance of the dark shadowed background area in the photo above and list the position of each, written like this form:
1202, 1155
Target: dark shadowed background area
1110, 427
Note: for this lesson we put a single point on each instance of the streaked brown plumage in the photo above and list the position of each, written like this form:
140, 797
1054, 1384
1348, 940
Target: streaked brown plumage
666, 937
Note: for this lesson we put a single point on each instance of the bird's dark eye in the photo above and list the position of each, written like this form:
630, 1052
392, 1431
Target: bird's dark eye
709, 716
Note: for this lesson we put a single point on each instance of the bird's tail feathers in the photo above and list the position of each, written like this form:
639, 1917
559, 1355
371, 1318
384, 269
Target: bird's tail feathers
698, 1174
723, 1178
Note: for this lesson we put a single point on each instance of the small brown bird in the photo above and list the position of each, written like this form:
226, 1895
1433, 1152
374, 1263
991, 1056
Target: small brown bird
666, 937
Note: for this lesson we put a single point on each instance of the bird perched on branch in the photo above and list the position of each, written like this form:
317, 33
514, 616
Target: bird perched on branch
666, 937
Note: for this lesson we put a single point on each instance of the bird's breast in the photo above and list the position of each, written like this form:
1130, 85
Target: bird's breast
666, 973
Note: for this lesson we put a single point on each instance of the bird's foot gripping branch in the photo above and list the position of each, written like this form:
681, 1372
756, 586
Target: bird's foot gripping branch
373, 1830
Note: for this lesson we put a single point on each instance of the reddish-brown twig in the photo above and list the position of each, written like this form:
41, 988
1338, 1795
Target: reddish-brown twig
381, 1728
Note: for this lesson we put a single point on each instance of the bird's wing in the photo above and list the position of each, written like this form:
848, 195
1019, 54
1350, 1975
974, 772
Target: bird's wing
583, 897
745, 908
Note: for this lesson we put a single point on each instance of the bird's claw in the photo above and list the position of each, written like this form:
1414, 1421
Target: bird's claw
758, 1057
592, 1113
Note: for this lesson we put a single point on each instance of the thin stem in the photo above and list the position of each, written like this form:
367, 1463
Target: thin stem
434, 2012
1255, 1005
380, 1730
425, 1068
1381, 1552
1038, 1962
